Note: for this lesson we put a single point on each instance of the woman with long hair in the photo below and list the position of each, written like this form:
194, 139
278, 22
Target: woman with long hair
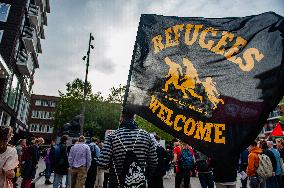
8, 157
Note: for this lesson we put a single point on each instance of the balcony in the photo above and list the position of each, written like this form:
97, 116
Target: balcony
22, 63
47, 6
39, 49
30, 39
34, 15
4, 70
40, 3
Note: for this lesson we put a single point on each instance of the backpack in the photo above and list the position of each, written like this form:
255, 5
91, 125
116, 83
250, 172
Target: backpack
264, 168
55, 155
186, 160
93, 152
162, 161
202, 162
133, 174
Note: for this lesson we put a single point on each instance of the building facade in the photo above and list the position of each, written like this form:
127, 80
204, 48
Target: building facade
21, 30
41, 116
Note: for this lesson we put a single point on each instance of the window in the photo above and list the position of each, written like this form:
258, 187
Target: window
4, 11
45, 103
1, 34
52, 103
49, 129
13, 95
41, 128
33, 127
38, 102
5, 119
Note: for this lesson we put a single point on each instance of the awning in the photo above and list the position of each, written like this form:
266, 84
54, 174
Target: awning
277, 131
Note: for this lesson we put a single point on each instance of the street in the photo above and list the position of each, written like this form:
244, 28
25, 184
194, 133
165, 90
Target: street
168, 182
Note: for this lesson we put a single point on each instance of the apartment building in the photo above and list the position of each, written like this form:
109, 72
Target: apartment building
21, 30
41, 116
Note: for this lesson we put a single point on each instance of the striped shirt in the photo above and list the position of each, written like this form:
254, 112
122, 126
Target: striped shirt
144, 149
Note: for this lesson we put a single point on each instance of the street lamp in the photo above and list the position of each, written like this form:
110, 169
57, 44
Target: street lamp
83, 107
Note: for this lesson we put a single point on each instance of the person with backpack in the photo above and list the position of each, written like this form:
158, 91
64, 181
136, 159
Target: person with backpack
59, 161
271, 182
156, 181
30, 160
185, 165
128, 151
280, 148
253, 164
278, 167
92, 172
47, 171
204, 169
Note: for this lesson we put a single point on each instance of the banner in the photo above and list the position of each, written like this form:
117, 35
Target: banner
210, 82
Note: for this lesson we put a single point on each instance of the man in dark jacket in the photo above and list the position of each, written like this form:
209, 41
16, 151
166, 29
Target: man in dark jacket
59, 161
156, 181
204, 169
243, 167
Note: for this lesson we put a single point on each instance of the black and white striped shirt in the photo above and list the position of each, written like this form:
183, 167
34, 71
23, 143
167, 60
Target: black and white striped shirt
144, 149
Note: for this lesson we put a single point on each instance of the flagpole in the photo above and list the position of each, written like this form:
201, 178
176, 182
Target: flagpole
83, 107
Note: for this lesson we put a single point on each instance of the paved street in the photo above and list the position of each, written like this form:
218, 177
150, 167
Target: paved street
168, 183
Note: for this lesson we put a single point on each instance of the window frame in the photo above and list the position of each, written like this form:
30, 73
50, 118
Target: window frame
7, 13
1, 35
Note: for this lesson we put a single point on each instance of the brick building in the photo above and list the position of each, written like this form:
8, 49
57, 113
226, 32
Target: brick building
21, 30
41, 116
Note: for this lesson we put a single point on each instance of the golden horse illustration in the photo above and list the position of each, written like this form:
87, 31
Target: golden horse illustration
190, 80
212, 92
175, 71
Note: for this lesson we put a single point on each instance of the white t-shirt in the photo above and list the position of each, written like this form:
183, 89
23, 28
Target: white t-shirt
8, 161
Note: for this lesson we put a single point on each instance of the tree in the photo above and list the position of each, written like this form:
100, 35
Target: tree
116, 94
75, 90
99, 115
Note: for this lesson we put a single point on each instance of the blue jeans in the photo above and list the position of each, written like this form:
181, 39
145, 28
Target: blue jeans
57, 180
47, 171
206, 180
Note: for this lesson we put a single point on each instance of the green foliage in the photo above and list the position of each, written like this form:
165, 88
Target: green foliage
116, 94
75, 89
99, 115
149, 127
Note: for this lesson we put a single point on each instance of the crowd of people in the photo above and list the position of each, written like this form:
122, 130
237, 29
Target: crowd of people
131, 157
262, 164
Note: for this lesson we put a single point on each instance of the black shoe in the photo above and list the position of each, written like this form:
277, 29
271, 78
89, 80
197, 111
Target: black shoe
47, 182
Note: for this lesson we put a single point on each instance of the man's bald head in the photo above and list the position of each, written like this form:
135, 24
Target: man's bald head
270, 144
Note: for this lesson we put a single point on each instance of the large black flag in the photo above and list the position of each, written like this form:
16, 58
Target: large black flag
209, 82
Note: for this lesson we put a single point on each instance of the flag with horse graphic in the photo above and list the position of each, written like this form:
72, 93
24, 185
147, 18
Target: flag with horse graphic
210, 82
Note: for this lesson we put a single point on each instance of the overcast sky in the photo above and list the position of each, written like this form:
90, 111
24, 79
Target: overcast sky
114, 25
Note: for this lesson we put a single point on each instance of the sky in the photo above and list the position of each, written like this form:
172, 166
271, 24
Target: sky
114, 24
